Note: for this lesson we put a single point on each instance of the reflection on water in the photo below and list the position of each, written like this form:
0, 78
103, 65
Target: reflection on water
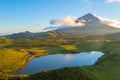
60, 60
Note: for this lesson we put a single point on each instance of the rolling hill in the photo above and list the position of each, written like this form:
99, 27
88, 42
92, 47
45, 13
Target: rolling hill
92, 27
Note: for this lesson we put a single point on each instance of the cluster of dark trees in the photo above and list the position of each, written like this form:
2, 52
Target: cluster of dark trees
74, 73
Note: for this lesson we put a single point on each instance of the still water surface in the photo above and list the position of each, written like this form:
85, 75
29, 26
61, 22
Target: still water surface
56, 61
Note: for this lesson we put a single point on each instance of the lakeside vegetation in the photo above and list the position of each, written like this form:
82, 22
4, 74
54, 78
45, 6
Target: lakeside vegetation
106, 68
14, 52
11, 60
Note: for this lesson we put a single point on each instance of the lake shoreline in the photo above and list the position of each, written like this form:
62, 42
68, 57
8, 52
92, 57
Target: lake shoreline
84, 58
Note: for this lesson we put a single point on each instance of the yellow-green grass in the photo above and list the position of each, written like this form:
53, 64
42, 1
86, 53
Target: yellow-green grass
106, 68
11, 60
69, 47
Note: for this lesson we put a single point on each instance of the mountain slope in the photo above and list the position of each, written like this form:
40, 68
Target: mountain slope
90, 29
93, 26
31, 35
89, 18
26, 34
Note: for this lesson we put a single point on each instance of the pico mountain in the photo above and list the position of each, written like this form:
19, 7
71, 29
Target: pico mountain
92, 27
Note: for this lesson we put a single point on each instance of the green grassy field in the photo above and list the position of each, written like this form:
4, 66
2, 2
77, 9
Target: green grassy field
106, 68
13, 56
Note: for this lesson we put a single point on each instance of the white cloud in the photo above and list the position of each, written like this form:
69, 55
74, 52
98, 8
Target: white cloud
67, 21
110, 22
70, 22
111, 1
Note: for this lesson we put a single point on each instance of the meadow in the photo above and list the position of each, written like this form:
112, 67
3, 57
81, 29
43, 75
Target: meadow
14, 55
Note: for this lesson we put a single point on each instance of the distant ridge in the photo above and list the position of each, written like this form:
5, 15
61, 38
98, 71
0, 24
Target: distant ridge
92, 27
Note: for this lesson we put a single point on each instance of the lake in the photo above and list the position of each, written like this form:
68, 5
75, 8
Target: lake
57, 61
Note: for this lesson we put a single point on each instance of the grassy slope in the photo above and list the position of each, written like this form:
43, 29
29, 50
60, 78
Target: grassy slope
107, 68
10, 61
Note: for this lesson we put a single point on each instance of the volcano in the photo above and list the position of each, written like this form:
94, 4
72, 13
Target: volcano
93, 26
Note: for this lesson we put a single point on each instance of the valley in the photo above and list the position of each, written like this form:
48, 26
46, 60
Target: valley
109, 47
18, 49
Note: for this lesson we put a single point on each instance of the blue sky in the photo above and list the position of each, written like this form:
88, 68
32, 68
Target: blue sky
33, 15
